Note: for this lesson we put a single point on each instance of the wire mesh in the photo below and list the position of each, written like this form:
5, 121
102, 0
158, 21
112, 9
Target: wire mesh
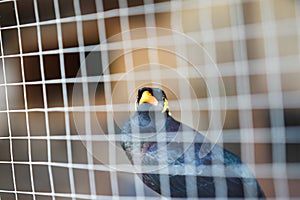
70, 70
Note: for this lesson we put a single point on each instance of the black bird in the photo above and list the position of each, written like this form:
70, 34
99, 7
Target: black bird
183, 163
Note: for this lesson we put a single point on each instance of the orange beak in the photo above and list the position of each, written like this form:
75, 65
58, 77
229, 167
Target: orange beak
148, 98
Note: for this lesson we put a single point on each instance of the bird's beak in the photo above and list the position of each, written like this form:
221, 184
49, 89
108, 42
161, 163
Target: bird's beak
148, 98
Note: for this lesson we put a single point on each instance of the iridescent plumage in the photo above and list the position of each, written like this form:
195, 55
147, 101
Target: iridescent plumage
178, 149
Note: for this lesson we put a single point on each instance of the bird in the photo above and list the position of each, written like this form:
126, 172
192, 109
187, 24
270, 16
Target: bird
184, 162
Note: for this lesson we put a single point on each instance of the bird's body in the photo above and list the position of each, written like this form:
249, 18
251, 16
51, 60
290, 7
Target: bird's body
195, 168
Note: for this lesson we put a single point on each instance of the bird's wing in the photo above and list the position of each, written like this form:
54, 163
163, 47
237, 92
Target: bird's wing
177, 159
219, 170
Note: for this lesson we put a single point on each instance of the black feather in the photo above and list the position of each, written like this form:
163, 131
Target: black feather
150, 120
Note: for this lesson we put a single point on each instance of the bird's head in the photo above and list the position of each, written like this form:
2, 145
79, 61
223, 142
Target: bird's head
152, 98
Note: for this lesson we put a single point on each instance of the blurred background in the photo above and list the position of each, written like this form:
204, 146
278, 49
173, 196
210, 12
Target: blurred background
69, 71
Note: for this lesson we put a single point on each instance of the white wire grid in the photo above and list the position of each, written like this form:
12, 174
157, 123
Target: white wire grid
256, 47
